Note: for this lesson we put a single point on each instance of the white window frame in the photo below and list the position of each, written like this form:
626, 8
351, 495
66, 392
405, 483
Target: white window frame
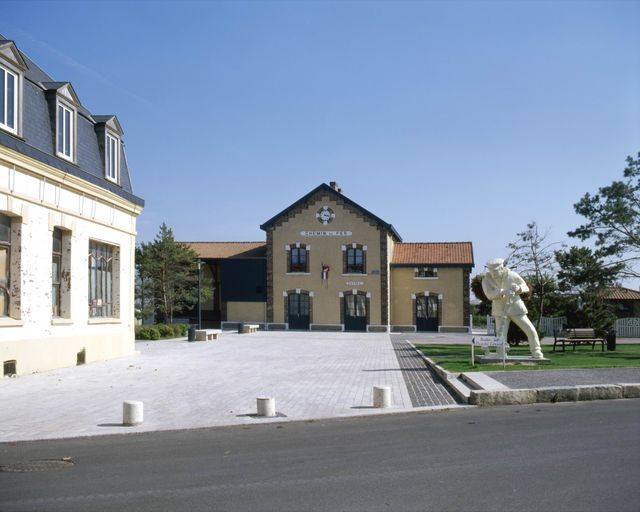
5, 279
103, 280
112, 173
16, 85
72, 131
418, 270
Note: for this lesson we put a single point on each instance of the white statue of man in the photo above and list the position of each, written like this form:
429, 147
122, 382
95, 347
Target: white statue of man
503, 287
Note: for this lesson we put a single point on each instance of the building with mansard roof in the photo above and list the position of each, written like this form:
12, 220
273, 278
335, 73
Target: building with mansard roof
67, 225
330, 264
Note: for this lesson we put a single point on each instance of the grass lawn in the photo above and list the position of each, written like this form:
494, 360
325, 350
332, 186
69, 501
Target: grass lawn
457, 358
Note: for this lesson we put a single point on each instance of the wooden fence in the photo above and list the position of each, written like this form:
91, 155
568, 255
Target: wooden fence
628, 328
547, 324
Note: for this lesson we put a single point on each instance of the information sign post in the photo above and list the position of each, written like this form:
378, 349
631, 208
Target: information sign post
488, 341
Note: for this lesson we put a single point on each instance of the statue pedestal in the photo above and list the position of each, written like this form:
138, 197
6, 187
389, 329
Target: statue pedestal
496, 358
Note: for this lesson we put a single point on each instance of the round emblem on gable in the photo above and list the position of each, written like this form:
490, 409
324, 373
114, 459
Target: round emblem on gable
325, 215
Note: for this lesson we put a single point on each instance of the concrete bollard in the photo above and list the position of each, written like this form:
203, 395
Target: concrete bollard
132, 413
266, 407
382, 396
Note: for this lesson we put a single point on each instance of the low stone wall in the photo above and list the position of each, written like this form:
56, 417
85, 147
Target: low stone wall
403, 328
554, 394
453, 329
327, 327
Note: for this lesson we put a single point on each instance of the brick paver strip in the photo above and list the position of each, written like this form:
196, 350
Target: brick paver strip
424, 387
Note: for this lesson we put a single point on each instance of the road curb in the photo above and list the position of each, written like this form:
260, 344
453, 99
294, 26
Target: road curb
551, 394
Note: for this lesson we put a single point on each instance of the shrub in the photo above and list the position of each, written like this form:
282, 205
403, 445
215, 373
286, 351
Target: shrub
165, 330
148, 332
515, 336
479, 320
179, 329
157, 331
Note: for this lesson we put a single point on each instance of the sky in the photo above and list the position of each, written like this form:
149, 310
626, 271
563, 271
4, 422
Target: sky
453, 121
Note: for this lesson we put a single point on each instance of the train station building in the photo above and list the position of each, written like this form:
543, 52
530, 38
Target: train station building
330, 264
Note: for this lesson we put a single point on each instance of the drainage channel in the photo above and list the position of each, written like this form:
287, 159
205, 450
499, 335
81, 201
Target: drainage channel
425, 389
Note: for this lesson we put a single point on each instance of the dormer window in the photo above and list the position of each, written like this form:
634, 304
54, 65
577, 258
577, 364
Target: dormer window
8, 100
65, 146
112, 158
425, 273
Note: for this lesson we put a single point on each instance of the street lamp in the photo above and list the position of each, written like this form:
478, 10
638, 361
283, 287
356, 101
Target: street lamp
199, 305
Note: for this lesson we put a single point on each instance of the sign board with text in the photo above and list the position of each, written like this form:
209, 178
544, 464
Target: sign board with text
487, 341
326, 233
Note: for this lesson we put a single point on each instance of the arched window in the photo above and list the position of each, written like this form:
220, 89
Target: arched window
298, 258
355, 259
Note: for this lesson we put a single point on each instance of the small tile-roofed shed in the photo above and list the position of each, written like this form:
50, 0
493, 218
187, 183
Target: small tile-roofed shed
620, 293
625, 301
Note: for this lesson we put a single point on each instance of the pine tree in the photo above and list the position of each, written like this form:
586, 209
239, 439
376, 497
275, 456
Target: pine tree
171, 268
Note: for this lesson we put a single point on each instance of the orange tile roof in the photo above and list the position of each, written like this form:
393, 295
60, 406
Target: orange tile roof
433, 253
620, 293
221, 250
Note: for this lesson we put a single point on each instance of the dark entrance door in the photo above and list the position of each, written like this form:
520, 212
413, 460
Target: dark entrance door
427, 313
299, 311
355, 313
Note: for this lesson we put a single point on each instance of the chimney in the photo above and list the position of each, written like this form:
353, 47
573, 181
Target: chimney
335, 186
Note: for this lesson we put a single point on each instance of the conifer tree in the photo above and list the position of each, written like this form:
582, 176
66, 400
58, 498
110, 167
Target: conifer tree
171, 269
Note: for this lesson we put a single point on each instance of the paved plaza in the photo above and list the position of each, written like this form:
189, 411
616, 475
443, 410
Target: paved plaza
190, 385
310, 375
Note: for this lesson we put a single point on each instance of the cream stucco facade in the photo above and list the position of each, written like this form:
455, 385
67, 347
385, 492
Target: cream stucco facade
67, 225
39, 198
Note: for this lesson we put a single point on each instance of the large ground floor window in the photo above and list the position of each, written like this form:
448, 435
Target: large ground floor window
102, 279
5, 263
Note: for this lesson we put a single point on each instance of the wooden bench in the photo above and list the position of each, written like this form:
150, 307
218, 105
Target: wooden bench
577, 336
207, 334
249, 328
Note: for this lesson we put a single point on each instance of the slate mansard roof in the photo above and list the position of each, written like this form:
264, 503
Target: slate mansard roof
37, 140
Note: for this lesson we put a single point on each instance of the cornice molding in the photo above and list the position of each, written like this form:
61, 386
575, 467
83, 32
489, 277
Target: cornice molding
71, 182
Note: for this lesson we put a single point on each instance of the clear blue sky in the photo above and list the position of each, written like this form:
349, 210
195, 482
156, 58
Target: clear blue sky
439, 117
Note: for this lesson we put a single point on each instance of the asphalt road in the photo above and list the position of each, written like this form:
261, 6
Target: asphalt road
553, 457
